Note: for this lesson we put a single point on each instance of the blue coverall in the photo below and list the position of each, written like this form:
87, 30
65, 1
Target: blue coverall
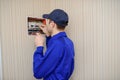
57, 63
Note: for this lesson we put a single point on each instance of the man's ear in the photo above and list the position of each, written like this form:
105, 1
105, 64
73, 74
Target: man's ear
53, 24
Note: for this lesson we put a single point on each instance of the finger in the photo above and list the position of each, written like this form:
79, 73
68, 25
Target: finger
37, 34
42, 26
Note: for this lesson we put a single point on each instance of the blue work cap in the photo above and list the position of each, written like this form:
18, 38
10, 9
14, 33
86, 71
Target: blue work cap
59, 16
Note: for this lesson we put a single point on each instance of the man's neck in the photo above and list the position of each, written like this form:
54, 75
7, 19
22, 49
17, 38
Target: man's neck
56, 32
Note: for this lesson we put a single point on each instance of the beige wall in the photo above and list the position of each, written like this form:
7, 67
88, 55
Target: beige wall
94, 28
17, 46
0, 47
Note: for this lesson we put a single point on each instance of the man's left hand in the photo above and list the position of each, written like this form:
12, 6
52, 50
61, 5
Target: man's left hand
39, 39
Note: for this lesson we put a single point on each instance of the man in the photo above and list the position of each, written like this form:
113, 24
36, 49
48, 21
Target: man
57, 63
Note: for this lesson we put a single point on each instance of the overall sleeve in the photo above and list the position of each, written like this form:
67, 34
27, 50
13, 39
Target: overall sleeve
45, 64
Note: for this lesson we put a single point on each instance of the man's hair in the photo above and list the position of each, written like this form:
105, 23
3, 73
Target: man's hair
61, 27
58, 27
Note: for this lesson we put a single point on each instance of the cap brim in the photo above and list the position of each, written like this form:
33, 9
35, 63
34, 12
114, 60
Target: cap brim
45, 16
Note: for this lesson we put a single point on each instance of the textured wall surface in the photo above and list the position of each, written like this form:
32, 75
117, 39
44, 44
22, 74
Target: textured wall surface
0, 48
94, 28
17, 46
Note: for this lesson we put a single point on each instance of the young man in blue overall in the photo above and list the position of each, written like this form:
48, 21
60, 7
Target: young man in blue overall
57, 63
